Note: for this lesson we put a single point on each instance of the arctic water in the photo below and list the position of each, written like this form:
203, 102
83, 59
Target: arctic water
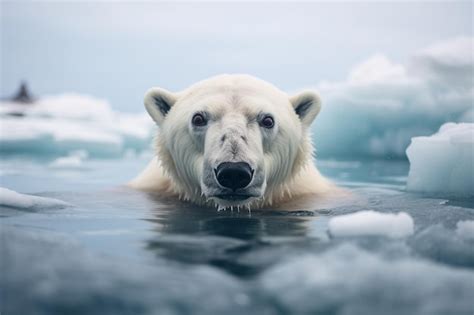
119, 251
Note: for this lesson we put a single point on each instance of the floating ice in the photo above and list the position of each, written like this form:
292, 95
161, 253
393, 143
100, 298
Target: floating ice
57, 125
372, 223
349, 280
444, 245
273, 262
465, 229
46, 266
74, 160
71, 161
374, 112
444, 162
13, 199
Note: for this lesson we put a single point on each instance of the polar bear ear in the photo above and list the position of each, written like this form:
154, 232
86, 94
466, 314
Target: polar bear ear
307, 105
158, 102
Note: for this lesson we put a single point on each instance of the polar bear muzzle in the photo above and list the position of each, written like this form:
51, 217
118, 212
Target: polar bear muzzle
232, 183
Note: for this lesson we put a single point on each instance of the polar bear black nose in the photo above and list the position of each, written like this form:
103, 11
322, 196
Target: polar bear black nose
234, 175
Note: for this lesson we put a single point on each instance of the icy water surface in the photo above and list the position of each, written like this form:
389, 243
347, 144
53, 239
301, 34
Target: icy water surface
117, 251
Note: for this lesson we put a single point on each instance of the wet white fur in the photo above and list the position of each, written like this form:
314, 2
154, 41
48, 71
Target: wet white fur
287, 157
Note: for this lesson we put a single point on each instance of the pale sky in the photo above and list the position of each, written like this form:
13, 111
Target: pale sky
118, 50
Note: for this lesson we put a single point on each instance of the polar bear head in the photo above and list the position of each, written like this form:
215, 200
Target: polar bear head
232, 140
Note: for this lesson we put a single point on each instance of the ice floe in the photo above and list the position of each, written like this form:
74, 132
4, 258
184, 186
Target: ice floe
369, 222
444, 162
75, 160
13, 199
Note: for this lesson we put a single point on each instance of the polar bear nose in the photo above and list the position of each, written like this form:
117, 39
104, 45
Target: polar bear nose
234, 175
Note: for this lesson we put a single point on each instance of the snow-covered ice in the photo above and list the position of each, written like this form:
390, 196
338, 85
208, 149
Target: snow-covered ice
372, 223
444, 162
13, 199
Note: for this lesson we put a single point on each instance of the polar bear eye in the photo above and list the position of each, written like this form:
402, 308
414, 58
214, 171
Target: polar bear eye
199, 120
267, 122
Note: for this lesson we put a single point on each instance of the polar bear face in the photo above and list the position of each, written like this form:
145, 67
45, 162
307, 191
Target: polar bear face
232, 139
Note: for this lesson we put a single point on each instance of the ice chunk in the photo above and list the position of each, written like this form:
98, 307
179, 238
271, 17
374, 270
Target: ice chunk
56, 125
13, 199
71, 161
465, 229
444, 162
74, 160
372, 223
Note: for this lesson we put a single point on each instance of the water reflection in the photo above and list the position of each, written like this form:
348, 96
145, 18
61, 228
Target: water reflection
236, 242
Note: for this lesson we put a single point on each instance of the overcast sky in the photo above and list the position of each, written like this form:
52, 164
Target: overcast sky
118, 50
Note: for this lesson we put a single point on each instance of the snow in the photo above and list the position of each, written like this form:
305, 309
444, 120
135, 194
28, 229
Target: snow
444, 162
372, 223
57, 125
382, 104
465, 229
13, 199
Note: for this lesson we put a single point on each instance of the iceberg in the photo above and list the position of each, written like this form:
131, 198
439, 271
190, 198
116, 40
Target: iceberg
382, 104
364, 223
58, 125
13, 199
444, 162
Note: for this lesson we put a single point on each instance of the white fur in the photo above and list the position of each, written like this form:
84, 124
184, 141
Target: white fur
283, 154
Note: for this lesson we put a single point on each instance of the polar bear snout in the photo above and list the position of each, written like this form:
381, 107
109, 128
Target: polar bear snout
234, 175
233, 183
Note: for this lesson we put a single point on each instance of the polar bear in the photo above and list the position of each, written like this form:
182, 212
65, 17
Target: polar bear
233, 141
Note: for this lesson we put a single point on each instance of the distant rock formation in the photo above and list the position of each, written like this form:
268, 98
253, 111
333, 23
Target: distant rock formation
23, 95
